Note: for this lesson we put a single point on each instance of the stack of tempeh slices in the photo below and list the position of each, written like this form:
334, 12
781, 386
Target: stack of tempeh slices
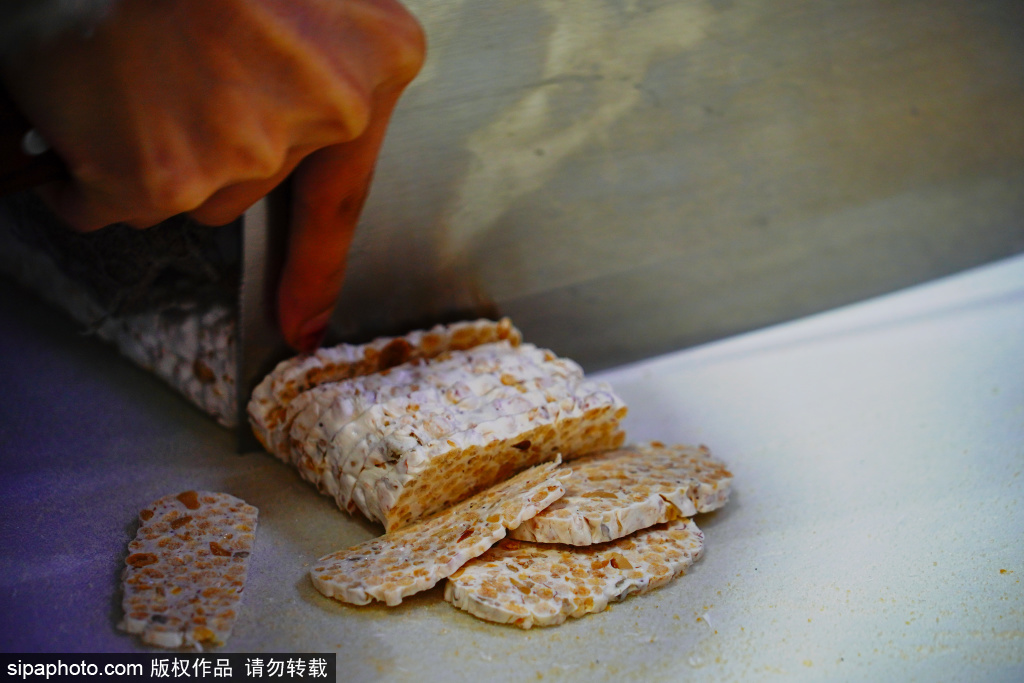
454, 439
402, 428
616, 523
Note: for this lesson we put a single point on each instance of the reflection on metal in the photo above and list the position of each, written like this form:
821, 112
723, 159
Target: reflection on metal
260, 344
627, 178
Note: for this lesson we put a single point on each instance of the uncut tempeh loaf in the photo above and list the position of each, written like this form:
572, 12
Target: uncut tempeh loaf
535, 584
612, 494
413, 438
416, 557
186, 569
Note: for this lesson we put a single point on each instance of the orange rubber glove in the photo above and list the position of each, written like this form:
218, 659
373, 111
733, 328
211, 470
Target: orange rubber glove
204, 106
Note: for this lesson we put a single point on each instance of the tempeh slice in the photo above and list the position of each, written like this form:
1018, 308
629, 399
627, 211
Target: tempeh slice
268, 408
531, 584
186, 569
612, 494
416, 480
415, 558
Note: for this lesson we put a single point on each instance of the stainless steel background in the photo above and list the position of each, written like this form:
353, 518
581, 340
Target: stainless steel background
627, 178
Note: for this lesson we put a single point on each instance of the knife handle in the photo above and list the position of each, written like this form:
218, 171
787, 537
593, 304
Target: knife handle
22, 167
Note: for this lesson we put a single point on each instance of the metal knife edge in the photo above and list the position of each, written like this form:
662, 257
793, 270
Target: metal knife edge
259, 343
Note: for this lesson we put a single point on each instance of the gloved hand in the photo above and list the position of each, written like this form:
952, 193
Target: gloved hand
202, 107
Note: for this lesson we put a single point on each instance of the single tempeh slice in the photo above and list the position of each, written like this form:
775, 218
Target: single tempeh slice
417, 482
268, 408
186, 568
530, 584
612, 494
415, 558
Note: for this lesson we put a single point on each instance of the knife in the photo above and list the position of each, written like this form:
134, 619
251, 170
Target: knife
259, 345
26, 162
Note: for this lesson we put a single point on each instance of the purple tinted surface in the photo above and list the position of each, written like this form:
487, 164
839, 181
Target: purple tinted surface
86, 440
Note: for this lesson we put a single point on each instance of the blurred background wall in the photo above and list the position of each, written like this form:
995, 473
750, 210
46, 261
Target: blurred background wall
629, 178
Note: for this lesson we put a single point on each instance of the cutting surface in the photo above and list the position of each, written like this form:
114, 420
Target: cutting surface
875, 529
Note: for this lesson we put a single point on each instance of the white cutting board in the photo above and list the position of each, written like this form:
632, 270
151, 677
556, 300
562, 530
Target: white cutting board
875, 530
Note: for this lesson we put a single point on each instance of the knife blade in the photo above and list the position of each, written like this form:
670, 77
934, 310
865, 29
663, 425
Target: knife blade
26, 162
259, 345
